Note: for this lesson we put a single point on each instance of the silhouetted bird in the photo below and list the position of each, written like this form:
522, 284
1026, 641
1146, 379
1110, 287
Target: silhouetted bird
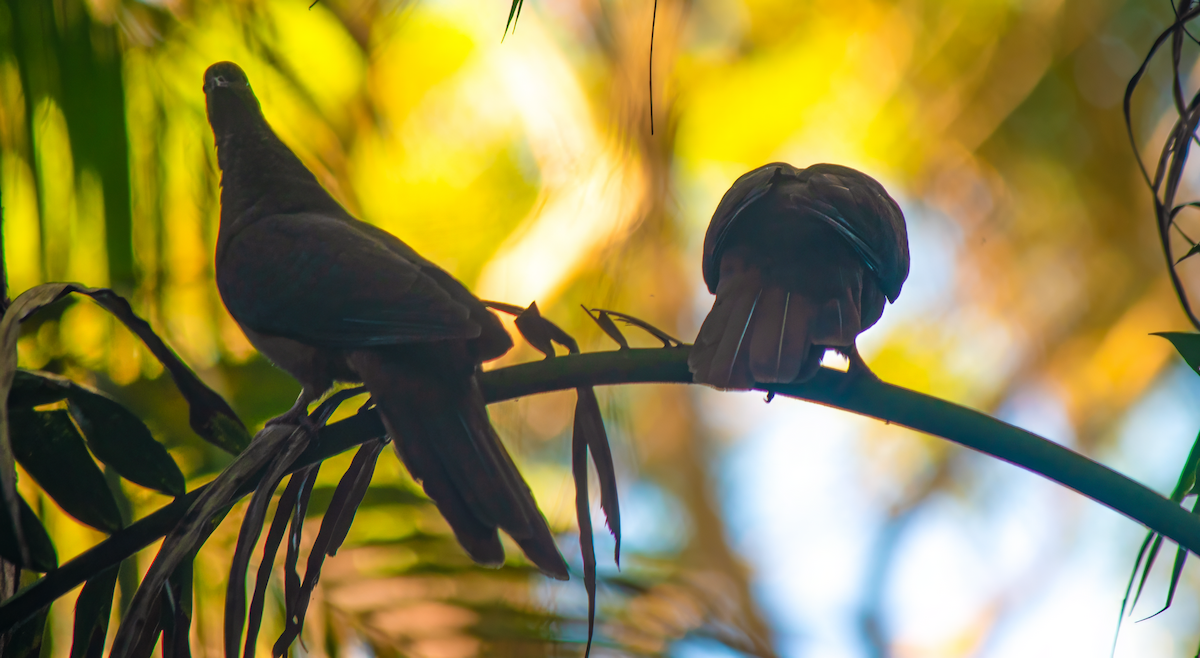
329, 298
800, 261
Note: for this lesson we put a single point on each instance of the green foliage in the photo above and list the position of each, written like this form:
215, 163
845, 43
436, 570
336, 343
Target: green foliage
51, 450
122, 440
41, 554
1188, 345
92, 612
64, 54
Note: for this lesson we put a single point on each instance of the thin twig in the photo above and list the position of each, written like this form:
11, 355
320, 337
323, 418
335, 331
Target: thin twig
653, 21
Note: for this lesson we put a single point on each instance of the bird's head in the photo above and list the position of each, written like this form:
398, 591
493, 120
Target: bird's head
230, 101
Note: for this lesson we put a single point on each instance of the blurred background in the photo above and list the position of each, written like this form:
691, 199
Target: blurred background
530, 168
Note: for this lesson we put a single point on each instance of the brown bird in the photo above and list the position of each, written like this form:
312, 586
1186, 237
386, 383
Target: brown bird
801, 260
328, 298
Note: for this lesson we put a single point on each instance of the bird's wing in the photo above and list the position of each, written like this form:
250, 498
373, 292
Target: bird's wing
494, 341
848, 201
858, 209
322, 281
745, 191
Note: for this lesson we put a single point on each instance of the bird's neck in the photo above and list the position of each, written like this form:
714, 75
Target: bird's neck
260, 177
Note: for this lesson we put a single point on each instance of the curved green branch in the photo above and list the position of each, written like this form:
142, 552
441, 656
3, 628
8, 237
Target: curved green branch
861, 395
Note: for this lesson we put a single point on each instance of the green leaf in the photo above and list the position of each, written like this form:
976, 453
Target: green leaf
176, 611
121, 440
225, 432
51, 450
514, 13
115, 435
1188, 345
208, 413
41, 550
1187, 477
25, 640
92, 611
1191, 252
32, 389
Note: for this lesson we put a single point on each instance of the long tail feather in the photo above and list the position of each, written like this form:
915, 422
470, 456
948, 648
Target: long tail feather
443, 435
718, 357
766, 341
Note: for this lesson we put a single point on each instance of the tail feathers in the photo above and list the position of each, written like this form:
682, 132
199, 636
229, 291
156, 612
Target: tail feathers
443, 435
481, 542
837, 322
779, 340
720, 355
514, 505
767, 334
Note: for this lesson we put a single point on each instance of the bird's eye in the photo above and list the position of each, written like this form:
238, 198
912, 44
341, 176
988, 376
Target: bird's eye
221, 80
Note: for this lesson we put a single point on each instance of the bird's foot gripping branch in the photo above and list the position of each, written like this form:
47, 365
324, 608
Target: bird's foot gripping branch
49, 448
280, 452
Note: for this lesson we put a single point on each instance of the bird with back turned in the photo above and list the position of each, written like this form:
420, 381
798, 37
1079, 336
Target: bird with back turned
801, 261
328, 298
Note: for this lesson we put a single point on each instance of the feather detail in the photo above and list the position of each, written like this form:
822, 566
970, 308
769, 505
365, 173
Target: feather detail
767, 336
718, 358
443, 436
737, 348
782, 345
782, 332
837, 322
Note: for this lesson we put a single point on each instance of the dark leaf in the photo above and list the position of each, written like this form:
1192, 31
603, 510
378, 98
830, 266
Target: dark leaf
1186, 484
361, 470
25, 304
283, 511
590, 425
25, 640
1181, 554
51, 450
121, 440
210, 416
667, 339
192, 531
329, 537
608, 326
148, 632
235, 591
177, 612
291, 571
1188, 345
536, 330
1173, 156
559, 336
92, 611
41, 549
303, 490
1151, 556
583, 513
376, 496
32, 389
514, 13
